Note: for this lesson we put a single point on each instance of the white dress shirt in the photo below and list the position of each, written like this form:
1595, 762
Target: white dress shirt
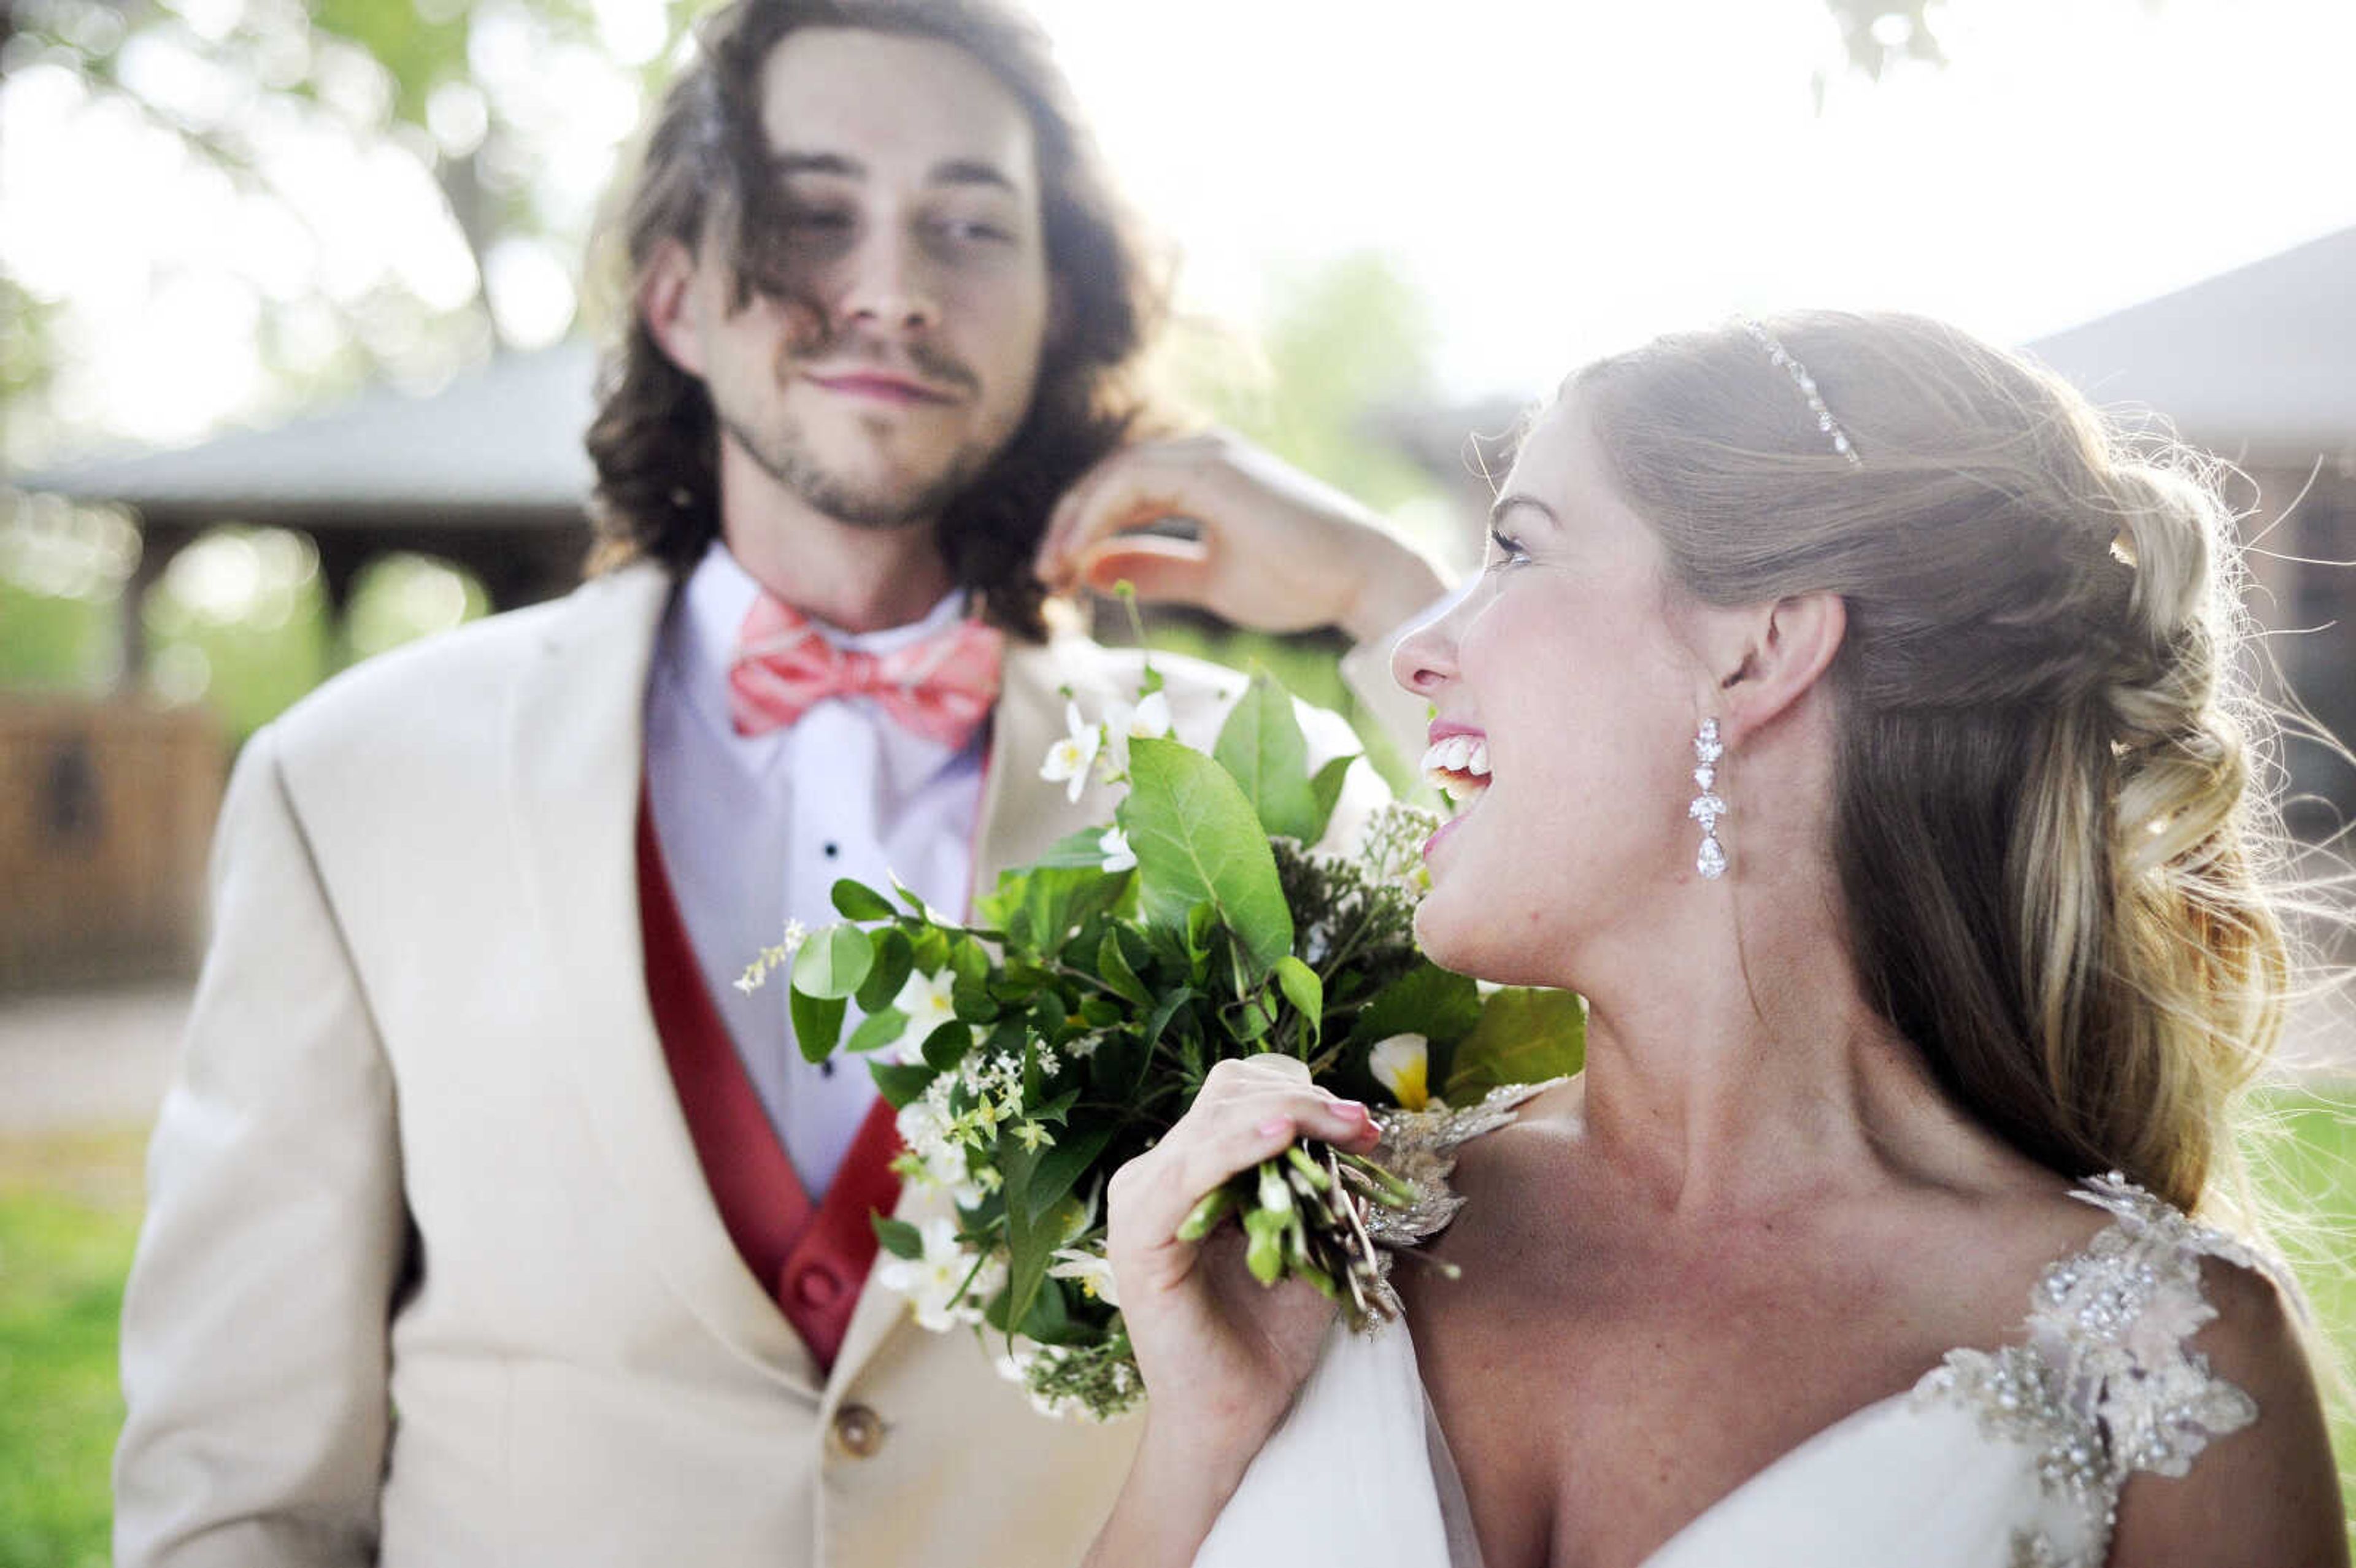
754, 831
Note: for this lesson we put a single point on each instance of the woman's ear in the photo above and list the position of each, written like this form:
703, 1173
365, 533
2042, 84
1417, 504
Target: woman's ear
667, 303
1778, 654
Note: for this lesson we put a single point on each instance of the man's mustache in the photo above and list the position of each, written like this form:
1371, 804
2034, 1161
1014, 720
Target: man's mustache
841, 351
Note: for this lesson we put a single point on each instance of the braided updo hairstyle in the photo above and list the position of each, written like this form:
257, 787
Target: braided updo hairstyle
2048, 825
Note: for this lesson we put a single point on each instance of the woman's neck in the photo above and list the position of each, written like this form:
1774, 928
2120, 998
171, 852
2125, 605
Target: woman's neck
1741, 1068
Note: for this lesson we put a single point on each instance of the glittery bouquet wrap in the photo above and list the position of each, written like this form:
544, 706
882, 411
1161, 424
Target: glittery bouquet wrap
1033, 1049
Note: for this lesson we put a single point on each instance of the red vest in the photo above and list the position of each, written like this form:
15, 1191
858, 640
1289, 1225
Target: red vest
811, 1259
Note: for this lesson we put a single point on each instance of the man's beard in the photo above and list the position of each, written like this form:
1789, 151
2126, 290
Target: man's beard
784, 455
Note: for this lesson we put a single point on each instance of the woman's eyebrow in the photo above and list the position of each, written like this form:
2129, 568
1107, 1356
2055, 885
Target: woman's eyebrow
1511, 499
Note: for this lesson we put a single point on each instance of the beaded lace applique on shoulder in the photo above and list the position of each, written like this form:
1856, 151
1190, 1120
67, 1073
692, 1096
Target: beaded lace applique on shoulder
2107, 1385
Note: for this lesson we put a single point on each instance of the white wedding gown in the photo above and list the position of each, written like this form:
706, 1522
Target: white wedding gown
2005, 1458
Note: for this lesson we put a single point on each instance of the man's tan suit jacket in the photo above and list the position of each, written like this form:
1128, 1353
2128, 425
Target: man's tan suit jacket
431, 1275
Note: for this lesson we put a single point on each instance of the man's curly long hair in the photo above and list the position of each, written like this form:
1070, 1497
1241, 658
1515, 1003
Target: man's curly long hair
702, 179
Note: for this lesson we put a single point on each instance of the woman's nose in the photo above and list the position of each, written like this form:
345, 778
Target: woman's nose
1425, 658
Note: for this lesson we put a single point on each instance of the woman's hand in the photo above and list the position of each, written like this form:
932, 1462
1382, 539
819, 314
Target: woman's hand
1222, 1355
1275, 550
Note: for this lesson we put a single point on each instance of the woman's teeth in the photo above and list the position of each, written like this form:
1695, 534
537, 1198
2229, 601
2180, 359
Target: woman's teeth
1459, 765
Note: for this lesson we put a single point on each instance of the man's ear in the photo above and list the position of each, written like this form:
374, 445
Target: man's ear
1778, 654
667, 304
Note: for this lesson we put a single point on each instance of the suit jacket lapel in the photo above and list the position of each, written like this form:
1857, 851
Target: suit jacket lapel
576, 761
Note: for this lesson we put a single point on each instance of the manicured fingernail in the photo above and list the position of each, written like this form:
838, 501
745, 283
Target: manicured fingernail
1273, 1125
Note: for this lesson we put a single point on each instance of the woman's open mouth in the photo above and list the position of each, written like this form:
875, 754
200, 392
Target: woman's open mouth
1457, 765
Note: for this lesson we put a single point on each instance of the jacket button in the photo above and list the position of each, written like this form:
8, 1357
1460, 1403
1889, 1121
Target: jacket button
818, 1287
858, 1431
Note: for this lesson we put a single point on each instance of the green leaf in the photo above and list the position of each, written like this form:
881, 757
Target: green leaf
1202, 919
1061, 1168
817, 1023
1325, 793
857, 901
1252, 1019
969, 961
1054, 902
1033, 1080
1305, 991
1049, 1321
1084, 850
928, 948
947, 1046
1054, 1110
1526, 1035
1028, 1243
972, 1002
877, 1030
909, 896
898, 1237
831, 963
1262, 747
1035, 1185
1427, 1000
1112, 968
1197, 840
901, 1083
895, 961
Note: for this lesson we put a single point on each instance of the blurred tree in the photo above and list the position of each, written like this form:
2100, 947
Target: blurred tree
239, 622
399, 598
1342, 336
479, 97
476, 97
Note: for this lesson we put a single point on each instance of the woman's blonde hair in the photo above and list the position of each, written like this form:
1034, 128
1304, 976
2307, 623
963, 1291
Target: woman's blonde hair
2051, 821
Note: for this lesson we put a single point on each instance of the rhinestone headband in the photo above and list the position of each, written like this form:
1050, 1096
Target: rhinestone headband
1806, 383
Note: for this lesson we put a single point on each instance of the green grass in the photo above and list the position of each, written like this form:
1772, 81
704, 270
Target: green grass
68, 1214
2306, 1165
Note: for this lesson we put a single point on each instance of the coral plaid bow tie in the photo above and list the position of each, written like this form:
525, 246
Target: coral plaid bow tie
940, 687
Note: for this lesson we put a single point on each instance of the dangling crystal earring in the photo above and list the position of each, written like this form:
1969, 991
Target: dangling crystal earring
1706, 807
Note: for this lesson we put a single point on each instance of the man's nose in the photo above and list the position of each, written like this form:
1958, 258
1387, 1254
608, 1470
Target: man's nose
889, 288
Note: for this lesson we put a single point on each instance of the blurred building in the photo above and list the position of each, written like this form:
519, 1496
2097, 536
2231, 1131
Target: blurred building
2258, 366
112, 802
487, 473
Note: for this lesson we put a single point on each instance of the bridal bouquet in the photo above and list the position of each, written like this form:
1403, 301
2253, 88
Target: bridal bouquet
1031, 1051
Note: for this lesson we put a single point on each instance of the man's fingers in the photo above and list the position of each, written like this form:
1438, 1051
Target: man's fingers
1170, 570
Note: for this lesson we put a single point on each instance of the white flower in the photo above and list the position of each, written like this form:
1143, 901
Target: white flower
926, 1002
924, 1127
1402, 1064
1093, 1270
1014, 1365
1147, 719
1114, 846
931, 1281
771, 958
1069, 759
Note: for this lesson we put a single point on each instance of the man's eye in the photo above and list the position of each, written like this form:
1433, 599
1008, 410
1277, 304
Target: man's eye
975, 231
817, 220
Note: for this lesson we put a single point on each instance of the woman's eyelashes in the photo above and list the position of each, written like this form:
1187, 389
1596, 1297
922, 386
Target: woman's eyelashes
1504, 549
